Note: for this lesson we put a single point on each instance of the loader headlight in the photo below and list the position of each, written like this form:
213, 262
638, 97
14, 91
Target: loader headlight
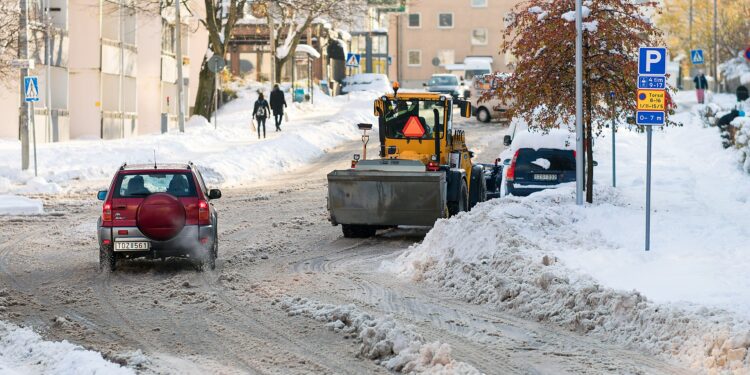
442, 98
433, 157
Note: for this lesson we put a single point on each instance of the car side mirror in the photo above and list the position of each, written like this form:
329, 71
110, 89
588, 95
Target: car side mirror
507, 140
214, 194
101, 195
471, 154
424, 84
465, 107
596, 163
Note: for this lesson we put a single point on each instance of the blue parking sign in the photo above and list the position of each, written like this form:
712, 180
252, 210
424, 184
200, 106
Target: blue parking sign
652, 61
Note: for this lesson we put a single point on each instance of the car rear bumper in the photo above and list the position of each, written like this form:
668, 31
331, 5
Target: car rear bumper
193, 240
522, 190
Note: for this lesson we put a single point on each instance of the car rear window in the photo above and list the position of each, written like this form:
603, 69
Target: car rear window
545, 159
143, 184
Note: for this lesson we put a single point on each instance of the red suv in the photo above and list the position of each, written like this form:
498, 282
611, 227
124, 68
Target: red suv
158, 211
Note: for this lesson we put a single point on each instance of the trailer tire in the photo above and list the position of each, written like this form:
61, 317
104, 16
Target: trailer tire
462, 204
358, 231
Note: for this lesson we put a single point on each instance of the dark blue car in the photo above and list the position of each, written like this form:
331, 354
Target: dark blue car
533, 170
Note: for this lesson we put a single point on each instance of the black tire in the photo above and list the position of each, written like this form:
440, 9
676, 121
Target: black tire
483, 115
358, 231
214, 253
463, 202
478, 191
107, 259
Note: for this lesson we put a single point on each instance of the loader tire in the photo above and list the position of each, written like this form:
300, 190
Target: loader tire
463, 201
358, 231
478, 191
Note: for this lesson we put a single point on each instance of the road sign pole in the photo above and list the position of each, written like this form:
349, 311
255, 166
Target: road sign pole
614, 170
33, 134
579, 104
23, 113
216, 102
648, 187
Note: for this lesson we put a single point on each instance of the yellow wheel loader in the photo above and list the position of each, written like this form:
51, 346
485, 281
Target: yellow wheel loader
424, 172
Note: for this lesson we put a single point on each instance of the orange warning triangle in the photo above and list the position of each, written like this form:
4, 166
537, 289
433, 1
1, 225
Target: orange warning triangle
413, 128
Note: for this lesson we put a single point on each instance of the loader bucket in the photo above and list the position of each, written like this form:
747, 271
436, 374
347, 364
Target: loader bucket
386, 198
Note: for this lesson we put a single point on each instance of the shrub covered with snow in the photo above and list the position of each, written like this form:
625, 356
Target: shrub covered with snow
742, 141
383, 340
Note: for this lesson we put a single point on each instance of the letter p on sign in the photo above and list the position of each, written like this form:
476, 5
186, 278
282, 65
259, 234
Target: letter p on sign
652, 61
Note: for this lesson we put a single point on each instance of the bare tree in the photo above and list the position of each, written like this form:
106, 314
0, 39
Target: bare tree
292, 18
9, 16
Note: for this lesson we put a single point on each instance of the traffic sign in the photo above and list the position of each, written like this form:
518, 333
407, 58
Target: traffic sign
696, 56
31, 88
22, 63
649, 118
652, 82
747, 53
216, 63
413, 128
651, 100
352, 60
652, 61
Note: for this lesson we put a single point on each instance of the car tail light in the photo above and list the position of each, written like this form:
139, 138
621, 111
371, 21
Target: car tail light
511, 174
574, 154
354, 164
204, 240
122, 232
107, 212
203, 213
433, 166
106, 242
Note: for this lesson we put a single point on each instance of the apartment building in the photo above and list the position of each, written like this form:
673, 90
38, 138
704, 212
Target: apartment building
113, 69
432, 34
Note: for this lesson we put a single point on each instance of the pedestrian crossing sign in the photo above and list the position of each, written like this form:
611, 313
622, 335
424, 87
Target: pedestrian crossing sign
352, 60
696, 56
31, 88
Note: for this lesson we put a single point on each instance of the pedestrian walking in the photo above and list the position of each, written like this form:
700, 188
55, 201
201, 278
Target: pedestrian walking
277, 105
260, 112
701, 85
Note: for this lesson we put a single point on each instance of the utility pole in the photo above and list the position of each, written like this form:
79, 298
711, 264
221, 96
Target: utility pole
579, 104
716, 49
178, 52
23, 111
47, 70
120, 106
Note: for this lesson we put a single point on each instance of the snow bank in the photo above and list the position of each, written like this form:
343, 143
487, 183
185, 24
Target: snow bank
229, 156
383, 340
585, 268
15, 205
24, 352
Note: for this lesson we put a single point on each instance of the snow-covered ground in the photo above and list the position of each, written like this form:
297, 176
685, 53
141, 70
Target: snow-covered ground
393, 346
585, 268
230, 156
17, 205
22, 351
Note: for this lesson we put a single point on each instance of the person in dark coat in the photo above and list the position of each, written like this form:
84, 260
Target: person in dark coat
701, 85
260, 112
277, 105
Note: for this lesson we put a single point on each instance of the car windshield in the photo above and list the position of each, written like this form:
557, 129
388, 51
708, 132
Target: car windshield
545, 159
443, 81
429, 113
144, 184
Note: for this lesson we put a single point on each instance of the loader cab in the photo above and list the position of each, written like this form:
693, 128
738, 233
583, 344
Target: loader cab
416, 126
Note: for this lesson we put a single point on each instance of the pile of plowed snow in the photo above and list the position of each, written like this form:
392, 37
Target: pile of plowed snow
383, 340
502, 254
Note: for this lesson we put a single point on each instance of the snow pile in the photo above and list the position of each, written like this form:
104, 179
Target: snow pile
383, 340
737, 68
570, 16
228, 156
24, 352
15, 205
742, 141
585, 268
377, 83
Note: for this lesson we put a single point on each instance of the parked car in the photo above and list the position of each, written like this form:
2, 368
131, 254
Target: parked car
537, 161
158, 211
449, 84
367, 82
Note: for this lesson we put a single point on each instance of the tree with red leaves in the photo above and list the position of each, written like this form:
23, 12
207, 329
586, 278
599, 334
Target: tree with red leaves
541, 35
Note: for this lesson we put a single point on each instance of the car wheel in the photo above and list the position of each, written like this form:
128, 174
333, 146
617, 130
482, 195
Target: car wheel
107, 259
213, 254
483, 115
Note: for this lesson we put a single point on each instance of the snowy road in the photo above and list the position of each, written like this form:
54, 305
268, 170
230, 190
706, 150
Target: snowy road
275, 242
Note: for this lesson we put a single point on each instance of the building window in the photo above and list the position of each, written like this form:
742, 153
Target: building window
479, 3
415, 20
445, 20
447, 56
415, 57
479, 37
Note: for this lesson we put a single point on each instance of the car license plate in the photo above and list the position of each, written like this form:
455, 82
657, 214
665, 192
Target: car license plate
132, 245
545, 177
